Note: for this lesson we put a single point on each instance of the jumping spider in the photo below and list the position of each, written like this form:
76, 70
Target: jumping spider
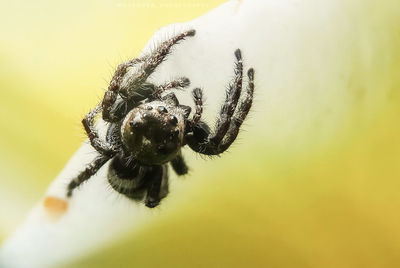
147, 129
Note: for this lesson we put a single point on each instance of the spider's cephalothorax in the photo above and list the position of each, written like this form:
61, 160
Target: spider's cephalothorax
147, 128
153, 132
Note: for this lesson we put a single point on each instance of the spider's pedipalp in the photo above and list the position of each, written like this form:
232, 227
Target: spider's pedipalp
186, 110
179, 83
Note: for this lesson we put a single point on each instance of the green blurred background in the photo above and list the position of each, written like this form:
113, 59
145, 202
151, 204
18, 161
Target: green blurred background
319, 206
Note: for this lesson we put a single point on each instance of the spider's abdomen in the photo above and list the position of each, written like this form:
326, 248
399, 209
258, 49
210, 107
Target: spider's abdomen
137, 182
127, 178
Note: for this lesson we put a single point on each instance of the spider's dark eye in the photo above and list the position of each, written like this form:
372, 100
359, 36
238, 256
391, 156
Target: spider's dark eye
174, 134
173, 119
162, 149
162, 109
134, 124
149, 108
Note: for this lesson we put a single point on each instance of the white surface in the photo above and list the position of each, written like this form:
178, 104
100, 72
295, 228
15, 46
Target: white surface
41, 242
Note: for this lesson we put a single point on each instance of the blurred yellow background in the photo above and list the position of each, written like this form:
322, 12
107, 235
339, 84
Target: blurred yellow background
56, 58
335, 206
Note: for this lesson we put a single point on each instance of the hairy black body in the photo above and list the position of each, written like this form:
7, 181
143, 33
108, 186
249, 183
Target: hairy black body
147, 128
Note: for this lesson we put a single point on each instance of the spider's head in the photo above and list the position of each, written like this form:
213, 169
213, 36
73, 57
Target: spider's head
153, 132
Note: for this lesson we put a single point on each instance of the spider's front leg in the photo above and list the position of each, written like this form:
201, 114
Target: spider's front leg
110, 97
135, 86
202, 139
150, 63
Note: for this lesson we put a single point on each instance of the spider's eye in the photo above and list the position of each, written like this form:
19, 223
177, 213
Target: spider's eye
162, 149
174, 135
162, 109
134, 124
149, 108
173, 119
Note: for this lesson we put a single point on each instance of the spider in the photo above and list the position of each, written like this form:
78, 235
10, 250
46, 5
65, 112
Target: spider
147, 129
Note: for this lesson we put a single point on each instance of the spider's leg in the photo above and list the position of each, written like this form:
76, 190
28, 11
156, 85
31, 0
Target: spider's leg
113, 135
202, 140
150, 63
101, 146
210, 144
89, 171
153, 60
229, 106
198, 102
111, 94
135, 86
197, 138
240, 113
158, 187
179, 83
179, 165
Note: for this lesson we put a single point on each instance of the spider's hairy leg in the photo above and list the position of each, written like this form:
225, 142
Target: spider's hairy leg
150, 63
229, 106
179, 165
209, 144
240, 113
180, 83
101, 146
198, 102
204, 141
153, 60
158, 186
197, 138
112, 92
89, 171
